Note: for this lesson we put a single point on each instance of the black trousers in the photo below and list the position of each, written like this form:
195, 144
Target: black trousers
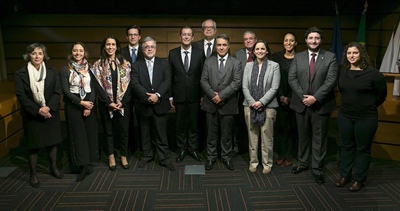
187, 127
154, 133
356, 136
219, 128
116, 130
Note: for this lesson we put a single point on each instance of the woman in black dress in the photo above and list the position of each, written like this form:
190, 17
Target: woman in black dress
38, 90
79, 97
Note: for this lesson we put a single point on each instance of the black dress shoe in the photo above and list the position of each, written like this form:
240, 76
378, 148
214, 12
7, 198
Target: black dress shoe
355, 186
229, 164
196, 155
299, 169
181, 156
112, 168
170, 166
57, 173
209, 165
319, 178
341, 181
142, 163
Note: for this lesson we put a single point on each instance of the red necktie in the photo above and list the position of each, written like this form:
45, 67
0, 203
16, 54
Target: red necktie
250, 57
312, 66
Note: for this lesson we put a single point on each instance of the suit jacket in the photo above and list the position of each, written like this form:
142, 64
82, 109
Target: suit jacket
52, 92
323, 81
241, 55
161, 84
227, 86
200, 45
186, 85
271, 84
127, 55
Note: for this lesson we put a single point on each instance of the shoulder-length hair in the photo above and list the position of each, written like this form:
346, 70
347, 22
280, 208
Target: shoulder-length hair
364, 58
70, 56
266, 45
30, 48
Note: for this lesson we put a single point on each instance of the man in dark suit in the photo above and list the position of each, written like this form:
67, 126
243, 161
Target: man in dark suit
220, 80
151, 83
133, 37
244, 55
207, 45
186, 65
312, 77
133, 52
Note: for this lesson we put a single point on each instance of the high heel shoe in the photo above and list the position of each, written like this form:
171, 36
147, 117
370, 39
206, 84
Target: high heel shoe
83, 173
57, 173
124, 162
111, 162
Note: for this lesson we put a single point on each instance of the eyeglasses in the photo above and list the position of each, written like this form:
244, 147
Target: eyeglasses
147, 47
133, 35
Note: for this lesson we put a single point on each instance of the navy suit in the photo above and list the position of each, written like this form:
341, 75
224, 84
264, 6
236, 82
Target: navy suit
186, 93
153, 117
312, 122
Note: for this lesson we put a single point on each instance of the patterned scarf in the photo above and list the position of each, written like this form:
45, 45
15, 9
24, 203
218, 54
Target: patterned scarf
257, 91
102, 73
81, 70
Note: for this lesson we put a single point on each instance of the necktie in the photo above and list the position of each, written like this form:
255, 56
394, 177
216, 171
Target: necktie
186, 61
250, 57
221, 67
311, 72
209, 50
133, 55
150, 69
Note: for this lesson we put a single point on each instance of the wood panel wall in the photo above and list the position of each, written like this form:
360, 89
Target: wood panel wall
57, 32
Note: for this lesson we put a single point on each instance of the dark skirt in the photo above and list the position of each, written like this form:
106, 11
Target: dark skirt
41, 132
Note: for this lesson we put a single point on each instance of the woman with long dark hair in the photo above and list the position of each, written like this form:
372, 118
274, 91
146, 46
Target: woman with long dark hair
79, 97
112, 74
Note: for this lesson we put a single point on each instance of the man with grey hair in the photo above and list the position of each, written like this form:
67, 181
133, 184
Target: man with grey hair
244, 55
220, 80
207, 45
151, 83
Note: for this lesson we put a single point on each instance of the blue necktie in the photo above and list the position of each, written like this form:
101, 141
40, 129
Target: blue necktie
133, 55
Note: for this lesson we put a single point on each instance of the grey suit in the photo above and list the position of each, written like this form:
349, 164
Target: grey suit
241, 55
313, 121
220, 115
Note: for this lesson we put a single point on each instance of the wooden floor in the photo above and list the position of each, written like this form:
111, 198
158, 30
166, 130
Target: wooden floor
156, 188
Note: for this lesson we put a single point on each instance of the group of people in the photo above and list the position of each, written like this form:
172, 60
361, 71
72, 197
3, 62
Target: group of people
285, 101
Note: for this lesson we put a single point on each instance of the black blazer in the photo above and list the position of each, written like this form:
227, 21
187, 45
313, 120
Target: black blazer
161, 84
284, 88
52, 92
127, 55
186, 86
200, 45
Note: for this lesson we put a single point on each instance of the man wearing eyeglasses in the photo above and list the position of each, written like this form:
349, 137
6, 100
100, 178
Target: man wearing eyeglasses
151, 83
207, 45
133, 52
